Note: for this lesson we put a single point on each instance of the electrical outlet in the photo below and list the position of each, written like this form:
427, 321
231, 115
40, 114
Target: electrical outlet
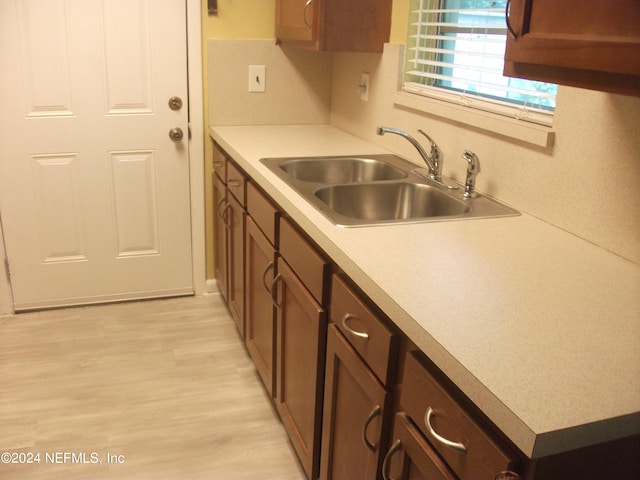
257, 78
364, 87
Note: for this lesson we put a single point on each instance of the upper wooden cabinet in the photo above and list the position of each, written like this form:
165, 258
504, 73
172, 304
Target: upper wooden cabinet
583, 43
334, 25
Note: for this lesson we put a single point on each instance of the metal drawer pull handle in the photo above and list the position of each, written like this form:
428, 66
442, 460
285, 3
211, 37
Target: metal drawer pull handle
274, 292
304, 13
221, 213
459, 447
234, 183
387, 458
507, 10
264, 277
374, 413
225, 218
347, 317
507, 475
220, 203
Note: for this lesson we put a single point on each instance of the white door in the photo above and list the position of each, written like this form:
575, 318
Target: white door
94, 194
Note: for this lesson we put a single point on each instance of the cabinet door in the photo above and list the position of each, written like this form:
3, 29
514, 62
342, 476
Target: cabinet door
235, 255
585, 43
355, 26
301, 334
296, 20
410, 456
334, 25
260, 321
220, 225
354, 416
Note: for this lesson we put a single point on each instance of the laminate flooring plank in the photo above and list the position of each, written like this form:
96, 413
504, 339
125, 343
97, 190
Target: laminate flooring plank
160, 389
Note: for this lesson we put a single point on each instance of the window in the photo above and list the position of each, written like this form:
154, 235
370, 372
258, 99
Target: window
455, 52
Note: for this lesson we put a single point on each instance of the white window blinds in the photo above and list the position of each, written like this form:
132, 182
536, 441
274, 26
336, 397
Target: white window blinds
455, 52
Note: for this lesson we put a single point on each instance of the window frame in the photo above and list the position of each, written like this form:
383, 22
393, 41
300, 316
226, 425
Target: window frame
475, 108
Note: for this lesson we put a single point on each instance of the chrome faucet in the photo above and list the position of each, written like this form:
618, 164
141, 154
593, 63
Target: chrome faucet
433, 159
473, 169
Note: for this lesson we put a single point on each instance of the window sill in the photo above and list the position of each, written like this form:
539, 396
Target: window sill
491, 123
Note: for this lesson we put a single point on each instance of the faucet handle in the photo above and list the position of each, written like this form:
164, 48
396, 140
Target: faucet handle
435, 154
435, 150
433, 144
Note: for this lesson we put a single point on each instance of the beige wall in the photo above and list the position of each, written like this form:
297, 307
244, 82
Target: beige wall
236, 19
298, 84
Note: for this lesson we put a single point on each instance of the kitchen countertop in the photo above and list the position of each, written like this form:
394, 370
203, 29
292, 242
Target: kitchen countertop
539, 328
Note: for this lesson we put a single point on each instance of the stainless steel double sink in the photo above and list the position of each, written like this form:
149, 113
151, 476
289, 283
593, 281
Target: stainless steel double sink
365, 190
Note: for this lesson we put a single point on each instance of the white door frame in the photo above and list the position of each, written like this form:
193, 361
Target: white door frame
196, 148
196, 162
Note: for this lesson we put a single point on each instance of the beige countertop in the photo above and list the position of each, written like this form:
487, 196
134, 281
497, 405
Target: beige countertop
539, 328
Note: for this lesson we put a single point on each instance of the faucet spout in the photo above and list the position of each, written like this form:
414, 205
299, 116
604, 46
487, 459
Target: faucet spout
473, 169
434, 164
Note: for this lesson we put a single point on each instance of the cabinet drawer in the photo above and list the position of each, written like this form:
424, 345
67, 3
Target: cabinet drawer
236, 183
371, 338
263, 212
474, 455
311, 267
411, 456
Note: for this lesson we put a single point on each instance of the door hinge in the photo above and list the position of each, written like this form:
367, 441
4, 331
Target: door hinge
7, 268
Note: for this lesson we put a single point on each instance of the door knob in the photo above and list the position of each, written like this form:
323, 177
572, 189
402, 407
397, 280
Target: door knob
175, 103
176, 134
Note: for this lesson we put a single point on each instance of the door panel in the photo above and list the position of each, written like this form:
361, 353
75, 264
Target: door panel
94, 194
134, 184
127, 48
58, 206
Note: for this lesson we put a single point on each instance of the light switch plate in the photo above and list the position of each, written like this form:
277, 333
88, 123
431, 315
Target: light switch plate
257, 78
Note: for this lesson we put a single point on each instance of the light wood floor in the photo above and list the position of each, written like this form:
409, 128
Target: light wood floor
164, 385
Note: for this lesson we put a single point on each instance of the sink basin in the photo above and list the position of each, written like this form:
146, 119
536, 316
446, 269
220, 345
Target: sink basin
381, 189
375, 202
341, 170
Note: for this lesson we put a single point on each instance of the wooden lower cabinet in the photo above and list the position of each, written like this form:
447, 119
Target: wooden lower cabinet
355, 415
411, 457
301, 340
274, 277
228, 225
220, 232
260, 323
235, 270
